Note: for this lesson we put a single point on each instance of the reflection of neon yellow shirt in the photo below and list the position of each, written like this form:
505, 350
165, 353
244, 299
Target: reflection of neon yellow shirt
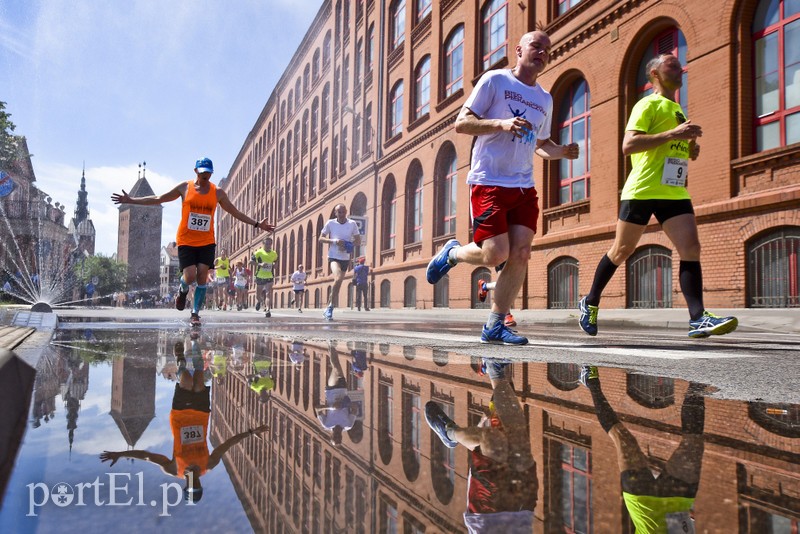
262, 365
265, 383
266, 261
222, 266
220, 364
649, 514
654, 114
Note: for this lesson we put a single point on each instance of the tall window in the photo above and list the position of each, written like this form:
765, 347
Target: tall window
423, 9
388, 214
326, 108
422, 93
396, 110
326, 50
323, 171
370, 48
454, 61
315, 66
314, 177
314, 121
574, 127
398, 23
414, 204
773, 270
566, 5
494, 32
356, 147
672, 42
776, 45
368, 129
446, 191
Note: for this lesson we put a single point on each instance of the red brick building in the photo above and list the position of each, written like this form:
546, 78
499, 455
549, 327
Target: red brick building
363, 115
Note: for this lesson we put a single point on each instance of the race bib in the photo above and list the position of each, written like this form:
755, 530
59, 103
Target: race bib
675, 170
680, 523
199, 222
192, 434
267, 267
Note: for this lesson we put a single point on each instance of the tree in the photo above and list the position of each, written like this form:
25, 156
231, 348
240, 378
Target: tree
8, 141
110, 274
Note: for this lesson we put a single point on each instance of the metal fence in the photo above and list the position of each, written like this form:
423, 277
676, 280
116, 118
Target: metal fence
650, 278
773, 270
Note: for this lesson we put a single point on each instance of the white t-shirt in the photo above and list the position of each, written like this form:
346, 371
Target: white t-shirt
298, 280
501, 159
346, 231
241, 278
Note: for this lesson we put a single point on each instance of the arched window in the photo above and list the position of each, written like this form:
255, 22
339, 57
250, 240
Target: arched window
297, 93
650, 278
398, 12
443, 461
386, 294
670, 41
654, 392
396, 110
388, 214
773, 269
318, 257
315, 66
289, 104
309, 251
494, 32
297, 140
422, 87
385, 420
314, 121
290, 265
423, 9
454, 61
776, 46
410, 292
564, 376
326, 107
326, 49
303, 185
446, 184
305, 131
574, 126
441, 293
412, 424
370, 59
289, 153
300, 247
314, 178
323, 171
414, 219
306, 79
358, 209
562, 284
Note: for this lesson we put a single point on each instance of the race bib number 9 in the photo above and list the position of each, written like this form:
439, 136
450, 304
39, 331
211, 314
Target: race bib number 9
199, 222
680, 523
192, 434
675, 170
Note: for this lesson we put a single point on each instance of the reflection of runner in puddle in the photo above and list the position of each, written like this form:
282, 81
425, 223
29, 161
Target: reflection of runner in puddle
659, 498
191, 408
502, 484
340, 412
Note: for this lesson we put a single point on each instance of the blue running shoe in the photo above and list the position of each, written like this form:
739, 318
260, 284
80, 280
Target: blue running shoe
440, 264
711, 325
588, 372
438, 421
500, 334
328, 313
588, 320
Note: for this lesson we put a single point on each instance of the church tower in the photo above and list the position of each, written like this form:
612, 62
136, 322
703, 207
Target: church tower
139, 238
81, 226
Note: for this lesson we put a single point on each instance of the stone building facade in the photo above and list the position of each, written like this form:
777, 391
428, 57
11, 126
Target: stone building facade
139, 240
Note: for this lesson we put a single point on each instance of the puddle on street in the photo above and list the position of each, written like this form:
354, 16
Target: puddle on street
277, 435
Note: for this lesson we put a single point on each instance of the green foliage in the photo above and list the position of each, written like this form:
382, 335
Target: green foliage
110, 274
8, 141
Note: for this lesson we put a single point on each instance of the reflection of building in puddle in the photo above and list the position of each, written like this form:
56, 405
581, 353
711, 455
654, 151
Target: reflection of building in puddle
298, 479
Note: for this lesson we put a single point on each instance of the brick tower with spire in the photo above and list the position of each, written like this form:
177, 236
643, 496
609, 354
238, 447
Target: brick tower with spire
81, 226
139, 238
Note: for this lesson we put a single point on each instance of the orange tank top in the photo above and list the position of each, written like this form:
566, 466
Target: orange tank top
197, 217
190, 440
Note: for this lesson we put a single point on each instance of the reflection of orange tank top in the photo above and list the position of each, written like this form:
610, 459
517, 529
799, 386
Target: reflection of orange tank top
197, 217
189, 439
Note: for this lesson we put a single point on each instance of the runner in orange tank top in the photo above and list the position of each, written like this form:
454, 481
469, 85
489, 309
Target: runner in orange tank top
188, 419
195, 237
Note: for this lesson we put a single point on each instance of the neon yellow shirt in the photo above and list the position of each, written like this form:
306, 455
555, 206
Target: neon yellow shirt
655, 114
222, 266
650, 514
266, 261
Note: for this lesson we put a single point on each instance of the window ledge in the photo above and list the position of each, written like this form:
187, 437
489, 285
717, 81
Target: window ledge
418, 121
499, 65
393, 140
767, 158
450, 99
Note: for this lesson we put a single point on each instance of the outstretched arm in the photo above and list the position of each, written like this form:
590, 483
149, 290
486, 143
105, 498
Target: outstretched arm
547, 149
216, 456
158, 459
176, 192
227, 205
468, 122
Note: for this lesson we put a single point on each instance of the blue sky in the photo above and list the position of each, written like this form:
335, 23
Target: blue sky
114, 83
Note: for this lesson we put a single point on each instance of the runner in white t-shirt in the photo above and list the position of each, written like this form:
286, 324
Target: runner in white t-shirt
298, 280
342, 236
510, 114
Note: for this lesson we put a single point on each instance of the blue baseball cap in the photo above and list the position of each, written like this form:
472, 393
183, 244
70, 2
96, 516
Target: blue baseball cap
204, 165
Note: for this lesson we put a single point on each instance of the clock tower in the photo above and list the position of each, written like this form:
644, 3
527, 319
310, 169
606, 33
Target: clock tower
139, 238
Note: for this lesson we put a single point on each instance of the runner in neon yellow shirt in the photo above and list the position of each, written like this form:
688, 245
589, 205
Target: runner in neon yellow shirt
660, 141
265, 259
